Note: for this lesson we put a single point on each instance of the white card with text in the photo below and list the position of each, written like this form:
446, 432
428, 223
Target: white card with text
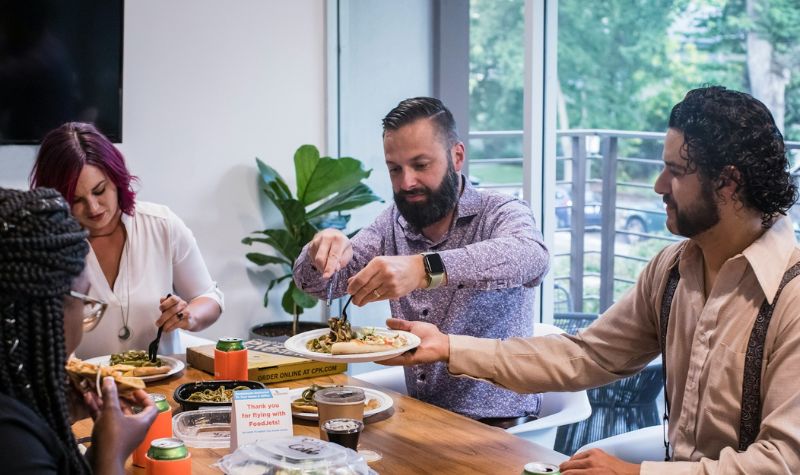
260, 414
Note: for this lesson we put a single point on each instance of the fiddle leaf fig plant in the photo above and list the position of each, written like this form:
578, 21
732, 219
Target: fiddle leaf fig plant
325, 187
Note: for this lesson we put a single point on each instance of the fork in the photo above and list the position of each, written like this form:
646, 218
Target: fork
152, 348
331, 286
343, 316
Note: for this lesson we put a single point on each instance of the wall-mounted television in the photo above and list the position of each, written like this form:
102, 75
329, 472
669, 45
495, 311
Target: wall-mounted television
60, 61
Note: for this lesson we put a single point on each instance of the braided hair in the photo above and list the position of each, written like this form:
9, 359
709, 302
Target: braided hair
42, 249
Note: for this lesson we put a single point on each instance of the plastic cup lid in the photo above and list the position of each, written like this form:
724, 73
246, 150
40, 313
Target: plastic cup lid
339, 395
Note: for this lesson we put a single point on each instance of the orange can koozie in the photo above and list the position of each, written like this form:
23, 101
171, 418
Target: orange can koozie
168, 457
161, 427
230, 360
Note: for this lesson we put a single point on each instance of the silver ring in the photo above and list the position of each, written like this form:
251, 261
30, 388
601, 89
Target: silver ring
180, 315
376, 294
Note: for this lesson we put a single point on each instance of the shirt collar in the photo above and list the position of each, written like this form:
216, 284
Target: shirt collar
769, 255
468, 204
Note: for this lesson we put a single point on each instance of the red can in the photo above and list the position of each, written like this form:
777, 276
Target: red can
230, 360
161, 427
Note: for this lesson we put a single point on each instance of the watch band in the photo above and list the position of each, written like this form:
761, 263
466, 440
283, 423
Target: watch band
434, 269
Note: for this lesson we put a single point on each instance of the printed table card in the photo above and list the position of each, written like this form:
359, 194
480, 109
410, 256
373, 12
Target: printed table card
260, 414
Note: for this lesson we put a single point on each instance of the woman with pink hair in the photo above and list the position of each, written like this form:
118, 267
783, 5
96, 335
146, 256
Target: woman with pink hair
143, 260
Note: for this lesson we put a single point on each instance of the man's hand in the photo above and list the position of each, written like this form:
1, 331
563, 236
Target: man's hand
330, 250
597, 462
387, 277
435, 345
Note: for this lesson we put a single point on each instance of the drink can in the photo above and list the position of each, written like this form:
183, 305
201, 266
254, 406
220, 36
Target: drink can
161, 427
230, 360
168, 456
230, 344
539, 468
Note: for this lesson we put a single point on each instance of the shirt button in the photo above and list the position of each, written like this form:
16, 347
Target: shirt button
421, 378
425, 313
460, 286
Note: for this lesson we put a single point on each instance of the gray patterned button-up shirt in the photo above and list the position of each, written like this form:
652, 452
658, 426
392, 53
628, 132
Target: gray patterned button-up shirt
494, 257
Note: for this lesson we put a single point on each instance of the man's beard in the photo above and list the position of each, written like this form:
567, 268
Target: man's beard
698, 217
439, 202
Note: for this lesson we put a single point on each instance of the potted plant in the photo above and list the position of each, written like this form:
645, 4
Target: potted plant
325, 187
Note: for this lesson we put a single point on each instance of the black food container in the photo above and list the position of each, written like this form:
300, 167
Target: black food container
182, 392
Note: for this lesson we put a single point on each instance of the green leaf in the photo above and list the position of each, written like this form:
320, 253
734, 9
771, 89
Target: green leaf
288, 302
272, 284
329, 176
294, 214
355, 197
273, 180
306, 159
263, 259
282, 241
303, 299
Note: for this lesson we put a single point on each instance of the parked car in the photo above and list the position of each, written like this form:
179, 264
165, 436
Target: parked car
592, 215
638, 221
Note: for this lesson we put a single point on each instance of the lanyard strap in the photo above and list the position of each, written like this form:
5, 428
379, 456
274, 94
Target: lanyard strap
750, 418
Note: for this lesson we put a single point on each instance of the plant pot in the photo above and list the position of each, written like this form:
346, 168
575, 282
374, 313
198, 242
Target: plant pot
281, 331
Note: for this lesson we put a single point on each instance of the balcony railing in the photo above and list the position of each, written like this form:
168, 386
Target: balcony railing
591, 162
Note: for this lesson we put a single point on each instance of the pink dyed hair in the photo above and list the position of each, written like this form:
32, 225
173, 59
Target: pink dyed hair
70, 147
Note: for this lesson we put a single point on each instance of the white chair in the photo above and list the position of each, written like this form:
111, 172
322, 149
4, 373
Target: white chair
557, 408
634, 446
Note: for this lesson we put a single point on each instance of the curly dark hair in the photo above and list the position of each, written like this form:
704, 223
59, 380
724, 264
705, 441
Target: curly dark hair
724, 128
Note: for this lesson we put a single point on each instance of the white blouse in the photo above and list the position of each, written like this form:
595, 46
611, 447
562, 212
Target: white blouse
160, 257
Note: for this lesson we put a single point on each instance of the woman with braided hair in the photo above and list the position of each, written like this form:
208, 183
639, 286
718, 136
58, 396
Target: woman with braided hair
42, 319
143, 259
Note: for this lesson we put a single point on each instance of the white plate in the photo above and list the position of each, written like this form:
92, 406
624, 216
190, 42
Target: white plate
298, 342
175, 366
384, 402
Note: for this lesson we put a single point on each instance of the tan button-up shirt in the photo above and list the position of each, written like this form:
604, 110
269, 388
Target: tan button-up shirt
706, 345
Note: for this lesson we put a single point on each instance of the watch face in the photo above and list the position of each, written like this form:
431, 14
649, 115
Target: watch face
434, 264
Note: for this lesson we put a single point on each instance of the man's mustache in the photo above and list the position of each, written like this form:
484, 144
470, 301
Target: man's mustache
416, 192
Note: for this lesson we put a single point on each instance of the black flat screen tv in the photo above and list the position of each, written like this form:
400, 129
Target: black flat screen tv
60, 61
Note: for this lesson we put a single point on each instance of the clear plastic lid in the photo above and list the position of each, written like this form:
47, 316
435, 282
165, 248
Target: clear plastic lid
339, 395
294, 456
204, 428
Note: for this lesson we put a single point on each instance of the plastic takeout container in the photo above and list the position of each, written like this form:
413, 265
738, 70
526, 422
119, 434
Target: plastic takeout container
294, 456
204, 428
184, 391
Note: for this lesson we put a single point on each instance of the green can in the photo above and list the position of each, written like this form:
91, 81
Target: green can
539, 468
167, 449
230, 344
160, 401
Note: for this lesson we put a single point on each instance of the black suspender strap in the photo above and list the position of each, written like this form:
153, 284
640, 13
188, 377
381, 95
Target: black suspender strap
666, 305
750, 419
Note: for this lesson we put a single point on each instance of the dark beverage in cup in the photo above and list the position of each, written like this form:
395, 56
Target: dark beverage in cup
339, 402
344, 432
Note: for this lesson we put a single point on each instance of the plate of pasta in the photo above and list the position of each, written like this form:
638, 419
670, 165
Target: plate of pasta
362, 344
139, 365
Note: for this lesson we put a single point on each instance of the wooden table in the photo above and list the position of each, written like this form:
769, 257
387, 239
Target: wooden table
413, 436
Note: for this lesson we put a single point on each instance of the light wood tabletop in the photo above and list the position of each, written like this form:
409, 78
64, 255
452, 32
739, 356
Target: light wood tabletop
413, 437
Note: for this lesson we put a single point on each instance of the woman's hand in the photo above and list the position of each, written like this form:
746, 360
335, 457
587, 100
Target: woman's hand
117, 431
175, 313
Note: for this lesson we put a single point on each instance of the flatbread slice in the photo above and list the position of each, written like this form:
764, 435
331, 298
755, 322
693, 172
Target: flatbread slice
88, 374
356, 347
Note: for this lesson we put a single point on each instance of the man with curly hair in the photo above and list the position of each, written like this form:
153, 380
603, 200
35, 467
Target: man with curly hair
722, 304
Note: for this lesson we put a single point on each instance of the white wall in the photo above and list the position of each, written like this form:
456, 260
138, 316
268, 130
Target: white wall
386, 56
208, 86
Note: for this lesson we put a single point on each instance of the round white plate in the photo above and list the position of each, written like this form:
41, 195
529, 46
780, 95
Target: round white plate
175, 366
384, 402
298, 342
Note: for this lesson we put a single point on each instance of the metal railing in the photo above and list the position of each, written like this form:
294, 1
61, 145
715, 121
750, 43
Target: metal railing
583, 153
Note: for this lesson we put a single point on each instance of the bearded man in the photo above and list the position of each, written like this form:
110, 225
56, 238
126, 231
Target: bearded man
445, 253
720, 307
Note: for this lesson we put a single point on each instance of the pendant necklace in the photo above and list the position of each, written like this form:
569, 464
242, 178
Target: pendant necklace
125, 331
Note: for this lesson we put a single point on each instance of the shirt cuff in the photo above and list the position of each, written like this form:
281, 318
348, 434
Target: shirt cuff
472, 356
666, 468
